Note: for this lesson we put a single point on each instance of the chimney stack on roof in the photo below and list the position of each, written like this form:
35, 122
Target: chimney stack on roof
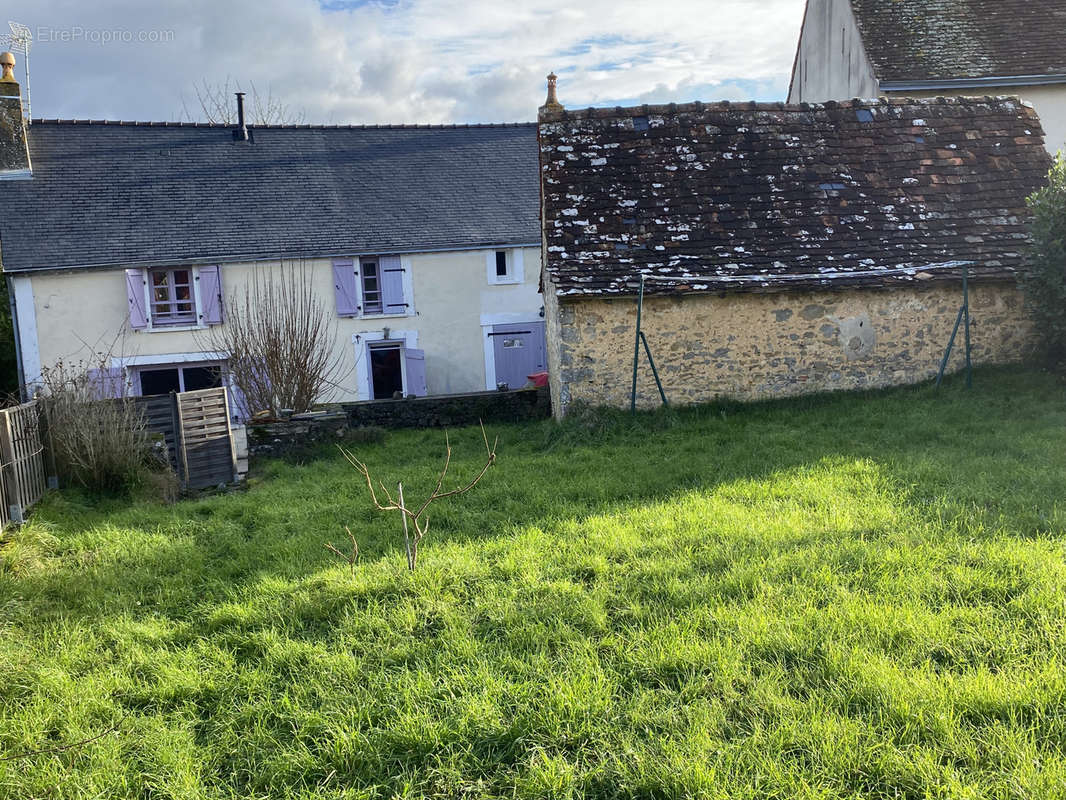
14, 149
240, 133
551, 104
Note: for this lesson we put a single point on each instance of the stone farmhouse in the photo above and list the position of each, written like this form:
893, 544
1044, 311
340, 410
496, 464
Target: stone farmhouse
785, 248
422, 240
926, 48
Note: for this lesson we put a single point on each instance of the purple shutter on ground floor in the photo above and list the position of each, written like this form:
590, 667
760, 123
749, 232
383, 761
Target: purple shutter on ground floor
211, 295
107, 383
344, 286
135, 294
392, 299
415, 367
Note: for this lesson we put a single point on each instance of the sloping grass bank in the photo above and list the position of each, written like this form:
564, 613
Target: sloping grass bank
853, 596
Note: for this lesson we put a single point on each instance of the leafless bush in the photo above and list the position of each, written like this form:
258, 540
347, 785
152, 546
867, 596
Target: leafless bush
217, 104
279, 340
98, 443
416, 516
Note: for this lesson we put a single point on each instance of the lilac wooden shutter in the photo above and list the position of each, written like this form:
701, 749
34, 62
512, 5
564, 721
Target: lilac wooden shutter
392, 298
344, 284
238, 403
107, 383
415, 365
211, 295
135, 294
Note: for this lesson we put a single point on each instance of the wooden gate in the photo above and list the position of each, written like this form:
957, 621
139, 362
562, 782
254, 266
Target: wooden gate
22, 474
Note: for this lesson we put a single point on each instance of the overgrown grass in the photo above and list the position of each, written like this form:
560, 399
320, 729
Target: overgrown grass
856, 596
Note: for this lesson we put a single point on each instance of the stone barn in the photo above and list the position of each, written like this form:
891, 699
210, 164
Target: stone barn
785, 248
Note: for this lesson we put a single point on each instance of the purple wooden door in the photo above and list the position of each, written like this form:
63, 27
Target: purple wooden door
518, 351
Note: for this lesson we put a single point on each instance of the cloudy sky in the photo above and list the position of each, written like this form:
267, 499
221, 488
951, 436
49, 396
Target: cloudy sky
380, 61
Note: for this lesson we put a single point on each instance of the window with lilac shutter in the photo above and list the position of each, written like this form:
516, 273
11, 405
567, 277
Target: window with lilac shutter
171, 296
372, 301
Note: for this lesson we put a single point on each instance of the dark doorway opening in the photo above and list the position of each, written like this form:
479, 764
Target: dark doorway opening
386, 372
159, 381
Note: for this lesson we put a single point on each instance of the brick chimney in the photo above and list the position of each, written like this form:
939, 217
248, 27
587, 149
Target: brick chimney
551, 105
14, 149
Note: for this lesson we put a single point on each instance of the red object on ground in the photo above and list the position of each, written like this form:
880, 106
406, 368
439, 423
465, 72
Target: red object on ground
539, 379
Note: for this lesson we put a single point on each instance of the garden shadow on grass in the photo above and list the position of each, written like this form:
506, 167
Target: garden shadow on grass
144, 558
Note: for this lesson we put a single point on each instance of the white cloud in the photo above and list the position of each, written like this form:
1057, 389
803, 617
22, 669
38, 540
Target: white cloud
405, 61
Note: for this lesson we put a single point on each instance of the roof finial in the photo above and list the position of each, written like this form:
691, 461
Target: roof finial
7, 61
552, 104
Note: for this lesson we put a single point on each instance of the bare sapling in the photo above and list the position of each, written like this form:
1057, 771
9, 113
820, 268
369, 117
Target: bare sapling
415, 520
353, 557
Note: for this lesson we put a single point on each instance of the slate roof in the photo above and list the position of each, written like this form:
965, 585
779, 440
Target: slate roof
765, 197
946, 39
112, 193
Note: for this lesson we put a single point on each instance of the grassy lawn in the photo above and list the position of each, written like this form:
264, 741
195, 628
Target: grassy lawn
856, 596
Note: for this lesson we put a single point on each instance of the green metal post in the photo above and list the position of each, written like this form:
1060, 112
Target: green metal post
654, 371
636, 349
951, 343
966, 309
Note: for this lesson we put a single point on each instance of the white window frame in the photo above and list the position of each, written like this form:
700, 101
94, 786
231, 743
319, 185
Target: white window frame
197, 302
405, 339
181, 367
408, 288
131, 364
515, 266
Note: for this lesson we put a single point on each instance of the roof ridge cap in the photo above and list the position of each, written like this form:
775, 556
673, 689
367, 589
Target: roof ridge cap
291, 126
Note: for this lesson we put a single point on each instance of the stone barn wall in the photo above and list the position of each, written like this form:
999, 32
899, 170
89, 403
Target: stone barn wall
754, 346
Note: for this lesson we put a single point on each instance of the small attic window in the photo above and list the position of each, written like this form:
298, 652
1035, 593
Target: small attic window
864, 115
831, 187
640, 123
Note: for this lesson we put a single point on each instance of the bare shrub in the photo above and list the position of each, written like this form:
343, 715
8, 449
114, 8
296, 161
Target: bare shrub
217, 104
99, 444
279, 341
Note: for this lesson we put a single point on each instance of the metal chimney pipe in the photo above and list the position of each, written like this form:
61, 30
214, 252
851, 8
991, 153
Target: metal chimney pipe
242, 130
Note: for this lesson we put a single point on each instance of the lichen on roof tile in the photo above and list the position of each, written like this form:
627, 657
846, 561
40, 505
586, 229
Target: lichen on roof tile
849, 201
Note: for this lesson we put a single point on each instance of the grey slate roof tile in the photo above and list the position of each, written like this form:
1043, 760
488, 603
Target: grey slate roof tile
133, 193
750, 197
944, 39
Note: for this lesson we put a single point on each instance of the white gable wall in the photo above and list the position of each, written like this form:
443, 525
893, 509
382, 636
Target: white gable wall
831, 62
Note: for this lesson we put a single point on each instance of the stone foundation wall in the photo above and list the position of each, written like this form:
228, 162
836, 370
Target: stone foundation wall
753, 346
442, 411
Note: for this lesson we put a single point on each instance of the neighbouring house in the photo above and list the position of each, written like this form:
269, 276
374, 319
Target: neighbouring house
785, 248
423, 240
925, 48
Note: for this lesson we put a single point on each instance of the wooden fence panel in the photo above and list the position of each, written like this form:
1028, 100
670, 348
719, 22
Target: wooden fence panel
205, 440
161, 416
24, 478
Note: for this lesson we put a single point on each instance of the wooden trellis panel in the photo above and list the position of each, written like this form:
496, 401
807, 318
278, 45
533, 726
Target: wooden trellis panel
205, 440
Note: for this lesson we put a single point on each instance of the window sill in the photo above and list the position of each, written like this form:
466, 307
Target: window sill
506, 282
378, 316
164, 328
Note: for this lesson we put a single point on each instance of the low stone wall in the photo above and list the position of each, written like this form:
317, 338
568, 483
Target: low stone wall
303, 430
452, 410
296, 434
754, 346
